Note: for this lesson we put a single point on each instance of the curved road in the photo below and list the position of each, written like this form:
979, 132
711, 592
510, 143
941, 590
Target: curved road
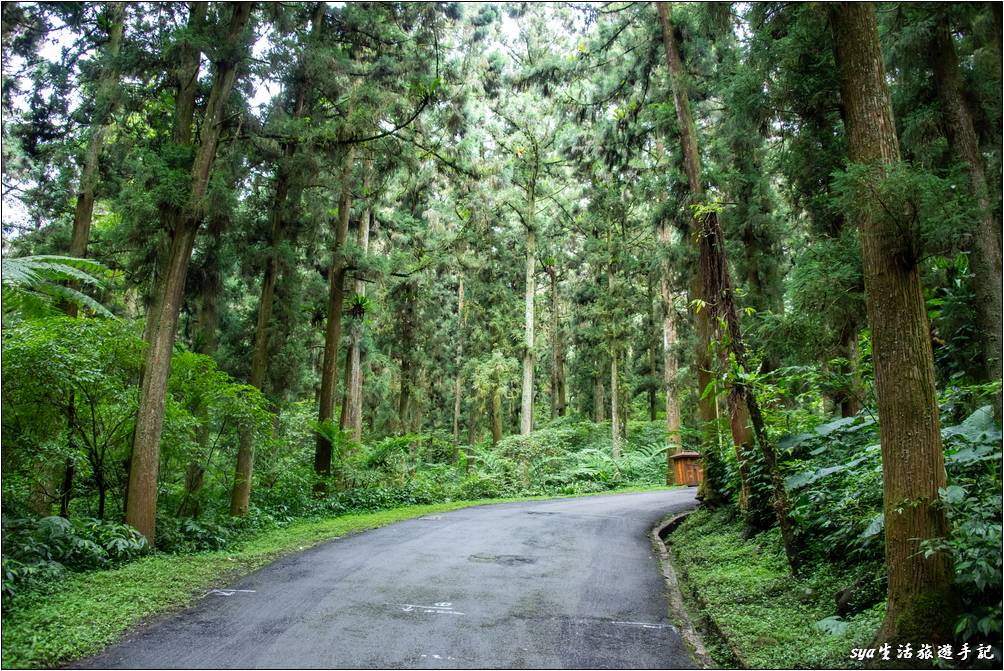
565, 583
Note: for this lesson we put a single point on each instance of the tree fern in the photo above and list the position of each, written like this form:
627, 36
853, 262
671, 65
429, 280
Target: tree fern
35, 285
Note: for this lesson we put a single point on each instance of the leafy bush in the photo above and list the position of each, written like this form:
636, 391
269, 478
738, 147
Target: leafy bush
39, 551
184, 535
836, 484
973, 504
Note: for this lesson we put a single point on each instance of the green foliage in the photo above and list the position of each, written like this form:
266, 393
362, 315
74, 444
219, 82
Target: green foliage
70, 395
34, 286
836, 493
38, 552
973, 504
472, 126
928, 213
758, 615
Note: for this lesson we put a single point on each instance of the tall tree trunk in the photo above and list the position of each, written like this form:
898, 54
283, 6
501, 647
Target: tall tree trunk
343, 415
526, 406
496, 410
458, 381
615, 418
710, 294
558, 388
913, 465
742, 403
407, 322
625, 400
473, 436
692, 168
850, 395
240, 493
106, 102
141, 498
205, 342
404, 395
355, 400
615, 400
670, 369
986, 247
599, 398
66, 491
652, 341
333, 330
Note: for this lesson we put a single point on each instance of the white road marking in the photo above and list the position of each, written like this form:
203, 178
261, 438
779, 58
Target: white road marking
440, 607
228, 592
646, 625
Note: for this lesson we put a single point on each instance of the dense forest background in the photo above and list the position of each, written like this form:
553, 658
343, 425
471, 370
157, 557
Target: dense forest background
278, 260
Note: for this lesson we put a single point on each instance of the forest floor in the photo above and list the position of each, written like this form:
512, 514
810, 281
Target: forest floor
89, 611
753, 612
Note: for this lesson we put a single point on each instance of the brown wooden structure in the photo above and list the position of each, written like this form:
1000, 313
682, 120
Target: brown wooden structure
687, 468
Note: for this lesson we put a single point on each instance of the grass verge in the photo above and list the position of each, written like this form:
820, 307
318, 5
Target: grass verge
755, 615
87, 611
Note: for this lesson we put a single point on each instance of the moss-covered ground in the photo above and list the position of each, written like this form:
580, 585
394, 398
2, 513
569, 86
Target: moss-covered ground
753, 612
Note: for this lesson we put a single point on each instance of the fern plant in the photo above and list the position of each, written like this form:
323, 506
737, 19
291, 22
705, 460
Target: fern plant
34, 286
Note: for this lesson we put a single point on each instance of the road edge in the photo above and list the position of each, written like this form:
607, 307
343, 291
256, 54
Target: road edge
674, 596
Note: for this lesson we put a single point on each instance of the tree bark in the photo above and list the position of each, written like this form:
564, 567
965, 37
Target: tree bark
986, 244
141, 498
333, 330
526, 405
558, 388
652, 344
670, 369
615, 418
458, 380
343, 415
66, 491
692, 168
850, 396
496, 410
742, 404
912, 459
599, 398
711, 253
355, 400
107, 101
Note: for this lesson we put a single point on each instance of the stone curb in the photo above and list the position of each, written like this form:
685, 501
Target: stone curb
678, 610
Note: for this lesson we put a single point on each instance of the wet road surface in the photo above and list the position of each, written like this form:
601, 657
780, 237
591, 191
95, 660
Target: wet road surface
564, 583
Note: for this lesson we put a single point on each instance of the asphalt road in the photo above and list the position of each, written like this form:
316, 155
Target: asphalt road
566, 583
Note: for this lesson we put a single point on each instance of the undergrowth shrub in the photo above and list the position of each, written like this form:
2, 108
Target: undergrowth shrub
37, 551
835, 480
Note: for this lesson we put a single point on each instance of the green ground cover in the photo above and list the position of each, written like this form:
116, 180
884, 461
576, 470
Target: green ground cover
754, 614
